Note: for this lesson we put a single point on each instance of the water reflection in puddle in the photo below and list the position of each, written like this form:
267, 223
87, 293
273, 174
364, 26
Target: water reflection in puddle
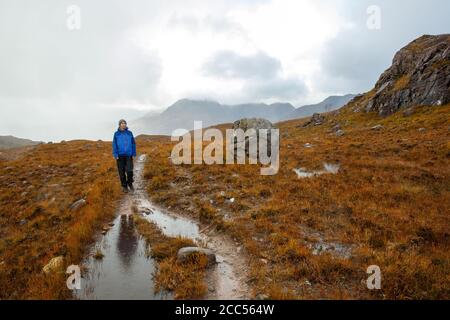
170, 224
125, 272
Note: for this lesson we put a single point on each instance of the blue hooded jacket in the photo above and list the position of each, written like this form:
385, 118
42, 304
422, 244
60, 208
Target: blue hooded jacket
123, 144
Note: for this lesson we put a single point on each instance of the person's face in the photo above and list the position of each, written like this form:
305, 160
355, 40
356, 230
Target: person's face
123, 126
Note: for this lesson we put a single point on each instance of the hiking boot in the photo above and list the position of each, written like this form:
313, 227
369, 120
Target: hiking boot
124, 190
131, 187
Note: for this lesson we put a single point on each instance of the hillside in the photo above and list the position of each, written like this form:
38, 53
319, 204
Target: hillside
38, 188
9, 142
314, 235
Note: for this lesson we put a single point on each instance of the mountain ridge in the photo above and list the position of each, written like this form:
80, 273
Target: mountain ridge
184, 112
10, 142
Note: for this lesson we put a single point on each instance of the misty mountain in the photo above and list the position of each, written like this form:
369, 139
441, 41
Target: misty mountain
183, 113
329, 104
9, 142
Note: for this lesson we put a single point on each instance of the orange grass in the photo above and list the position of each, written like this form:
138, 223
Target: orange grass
37, 189
389, 203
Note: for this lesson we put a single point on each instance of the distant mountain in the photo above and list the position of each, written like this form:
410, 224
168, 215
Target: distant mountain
9, 142
183, 113
329, 104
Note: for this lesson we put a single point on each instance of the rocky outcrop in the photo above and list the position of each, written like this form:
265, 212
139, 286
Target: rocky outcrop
256, 124
419, 75
316, 120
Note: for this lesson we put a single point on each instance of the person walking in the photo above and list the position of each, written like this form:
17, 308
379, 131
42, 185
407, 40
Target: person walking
124, 150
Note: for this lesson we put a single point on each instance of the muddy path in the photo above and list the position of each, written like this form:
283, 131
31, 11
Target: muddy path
117, 266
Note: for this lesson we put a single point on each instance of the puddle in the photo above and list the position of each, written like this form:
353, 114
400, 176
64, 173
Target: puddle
320, 246
125, 272
328, 168
171, 225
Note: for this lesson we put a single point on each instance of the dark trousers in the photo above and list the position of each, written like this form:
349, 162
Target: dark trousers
125, 167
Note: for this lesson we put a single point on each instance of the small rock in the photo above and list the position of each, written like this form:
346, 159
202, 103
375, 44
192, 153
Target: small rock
55, 264
262, 296
308, 145
77, 205
422, 130
377, 127
408, 112
340, 133
185, 252
337, 127
146, 210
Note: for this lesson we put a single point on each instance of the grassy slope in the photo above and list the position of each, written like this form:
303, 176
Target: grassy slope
36, 189
389, 202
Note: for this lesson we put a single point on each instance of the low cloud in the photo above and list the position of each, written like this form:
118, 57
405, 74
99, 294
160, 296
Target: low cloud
281, 89
355, 58
261, 74
229, 64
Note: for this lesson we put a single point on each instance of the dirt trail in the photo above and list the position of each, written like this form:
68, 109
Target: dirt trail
227, 279
126, 266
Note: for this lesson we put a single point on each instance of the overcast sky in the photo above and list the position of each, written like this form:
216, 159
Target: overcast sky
58, 81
